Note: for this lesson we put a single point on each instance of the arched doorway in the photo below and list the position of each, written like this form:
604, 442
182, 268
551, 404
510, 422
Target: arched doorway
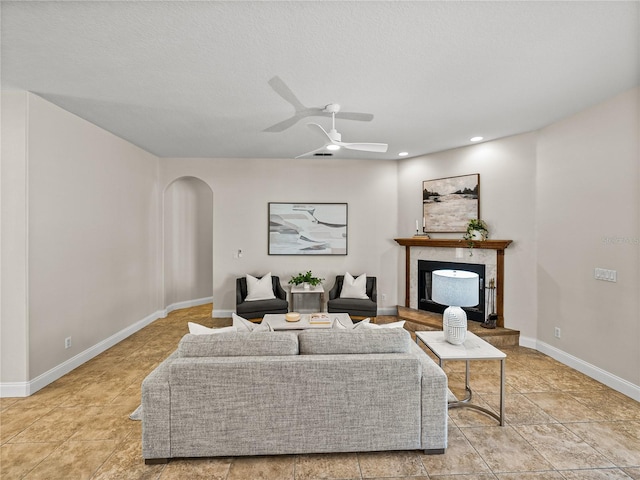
188, 243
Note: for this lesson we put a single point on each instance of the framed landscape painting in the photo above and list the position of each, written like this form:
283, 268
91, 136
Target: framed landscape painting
307, 228
449, 203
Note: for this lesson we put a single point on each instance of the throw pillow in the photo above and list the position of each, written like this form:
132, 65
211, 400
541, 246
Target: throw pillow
259, 288
362, 324
399, 324
242, 324
197, 329
262, 327
354, 287
341, 326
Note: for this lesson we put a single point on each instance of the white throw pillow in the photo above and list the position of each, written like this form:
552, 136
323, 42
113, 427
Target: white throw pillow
197, 329
259, 288
341, 326
362, 324
399, 324
242, 324
354, 287
262, 327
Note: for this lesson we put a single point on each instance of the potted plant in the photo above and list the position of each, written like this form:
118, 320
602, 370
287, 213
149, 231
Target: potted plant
476, 230
306, 279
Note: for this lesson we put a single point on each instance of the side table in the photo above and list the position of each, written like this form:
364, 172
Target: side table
300, 290
473, 348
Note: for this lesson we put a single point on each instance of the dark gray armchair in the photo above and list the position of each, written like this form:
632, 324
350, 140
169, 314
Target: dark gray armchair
256, 309
356, 308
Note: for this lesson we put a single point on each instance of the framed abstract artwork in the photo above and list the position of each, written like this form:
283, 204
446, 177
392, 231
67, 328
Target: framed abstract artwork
449, 203
307, 228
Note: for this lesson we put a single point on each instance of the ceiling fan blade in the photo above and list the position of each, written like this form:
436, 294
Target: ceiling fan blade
285, 92
281, 126
315, 125
365, 147
311, 152
362, 117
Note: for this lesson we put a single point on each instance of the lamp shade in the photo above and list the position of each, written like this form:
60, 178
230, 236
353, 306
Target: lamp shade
457, 288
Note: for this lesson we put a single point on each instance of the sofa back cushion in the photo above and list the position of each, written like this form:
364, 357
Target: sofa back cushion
239, 344
332, 342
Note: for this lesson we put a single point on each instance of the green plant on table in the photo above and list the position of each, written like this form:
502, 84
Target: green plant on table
306, 278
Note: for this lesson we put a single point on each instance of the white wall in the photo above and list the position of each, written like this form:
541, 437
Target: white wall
507, 169
93, 237
588, 197
242, 189
188, 241
14, 311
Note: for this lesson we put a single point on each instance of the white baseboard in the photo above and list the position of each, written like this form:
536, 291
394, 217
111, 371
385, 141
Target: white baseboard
528, 342
14, 389
619, 384
24, 389
187, 304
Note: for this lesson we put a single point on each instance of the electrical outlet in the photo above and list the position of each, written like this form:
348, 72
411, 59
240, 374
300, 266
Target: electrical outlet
384, 297
556, 332
67, 342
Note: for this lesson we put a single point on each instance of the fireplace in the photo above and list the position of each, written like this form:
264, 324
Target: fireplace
426, 267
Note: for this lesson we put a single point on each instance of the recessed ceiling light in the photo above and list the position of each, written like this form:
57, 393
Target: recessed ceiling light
403, 154
476, 139
333, 147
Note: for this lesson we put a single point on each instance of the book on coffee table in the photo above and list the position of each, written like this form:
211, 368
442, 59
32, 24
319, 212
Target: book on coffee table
319, 318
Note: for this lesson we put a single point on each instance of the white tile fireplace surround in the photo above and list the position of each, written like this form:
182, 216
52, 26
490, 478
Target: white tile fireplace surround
489, 253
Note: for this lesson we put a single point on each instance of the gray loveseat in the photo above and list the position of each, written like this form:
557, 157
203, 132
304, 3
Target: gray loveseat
234, 394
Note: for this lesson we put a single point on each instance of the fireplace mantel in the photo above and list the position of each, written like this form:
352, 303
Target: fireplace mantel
452, 243
498, 245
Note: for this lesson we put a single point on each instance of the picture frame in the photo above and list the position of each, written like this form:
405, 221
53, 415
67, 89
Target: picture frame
308, 228
449, 203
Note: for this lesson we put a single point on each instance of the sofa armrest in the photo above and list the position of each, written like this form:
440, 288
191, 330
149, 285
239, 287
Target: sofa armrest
156, 410
434, 402
337, 287
278, 291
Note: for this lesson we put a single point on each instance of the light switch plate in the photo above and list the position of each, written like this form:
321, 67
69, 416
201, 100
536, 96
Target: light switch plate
605, 275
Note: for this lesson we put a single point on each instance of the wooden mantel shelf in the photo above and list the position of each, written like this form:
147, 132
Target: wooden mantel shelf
452, 243
498, 245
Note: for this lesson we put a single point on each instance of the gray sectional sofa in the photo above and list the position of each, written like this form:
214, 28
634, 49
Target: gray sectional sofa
315, 391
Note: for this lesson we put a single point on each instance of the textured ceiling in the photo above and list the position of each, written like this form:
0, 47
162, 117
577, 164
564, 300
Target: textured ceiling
191, 79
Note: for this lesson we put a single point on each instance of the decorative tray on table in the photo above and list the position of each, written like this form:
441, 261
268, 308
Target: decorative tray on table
319, 319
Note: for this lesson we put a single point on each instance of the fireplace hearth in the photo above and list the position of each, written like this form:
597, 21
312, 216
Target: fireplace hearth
424, 301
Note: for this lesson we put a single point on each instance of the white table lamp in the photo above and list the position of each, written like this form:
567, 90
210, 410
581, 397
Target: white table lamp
455, 288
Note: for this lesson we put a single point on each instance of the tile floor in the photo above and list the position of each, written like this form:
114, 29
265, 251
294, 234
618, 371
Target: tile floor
560, 425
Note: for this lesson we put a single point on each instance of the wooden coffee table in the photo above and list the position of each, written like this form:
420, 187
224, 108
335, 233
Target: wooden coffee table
473, 348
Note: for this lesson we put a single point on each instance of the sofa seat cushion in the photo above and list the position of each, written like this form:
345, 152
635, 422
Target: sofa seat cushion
239, 344
333, 342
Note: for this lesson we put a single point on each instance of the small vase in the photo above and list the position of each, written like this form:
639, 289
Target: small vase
306, 286
478, 235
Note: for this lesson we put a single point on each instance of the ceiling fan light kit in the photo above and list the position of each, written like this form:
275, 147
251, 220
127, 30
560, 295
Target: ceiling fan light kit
335, 138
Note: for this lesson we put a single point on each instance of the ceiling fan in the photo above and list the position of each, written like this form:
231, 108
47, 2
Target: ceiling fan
301, 111
335, 138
